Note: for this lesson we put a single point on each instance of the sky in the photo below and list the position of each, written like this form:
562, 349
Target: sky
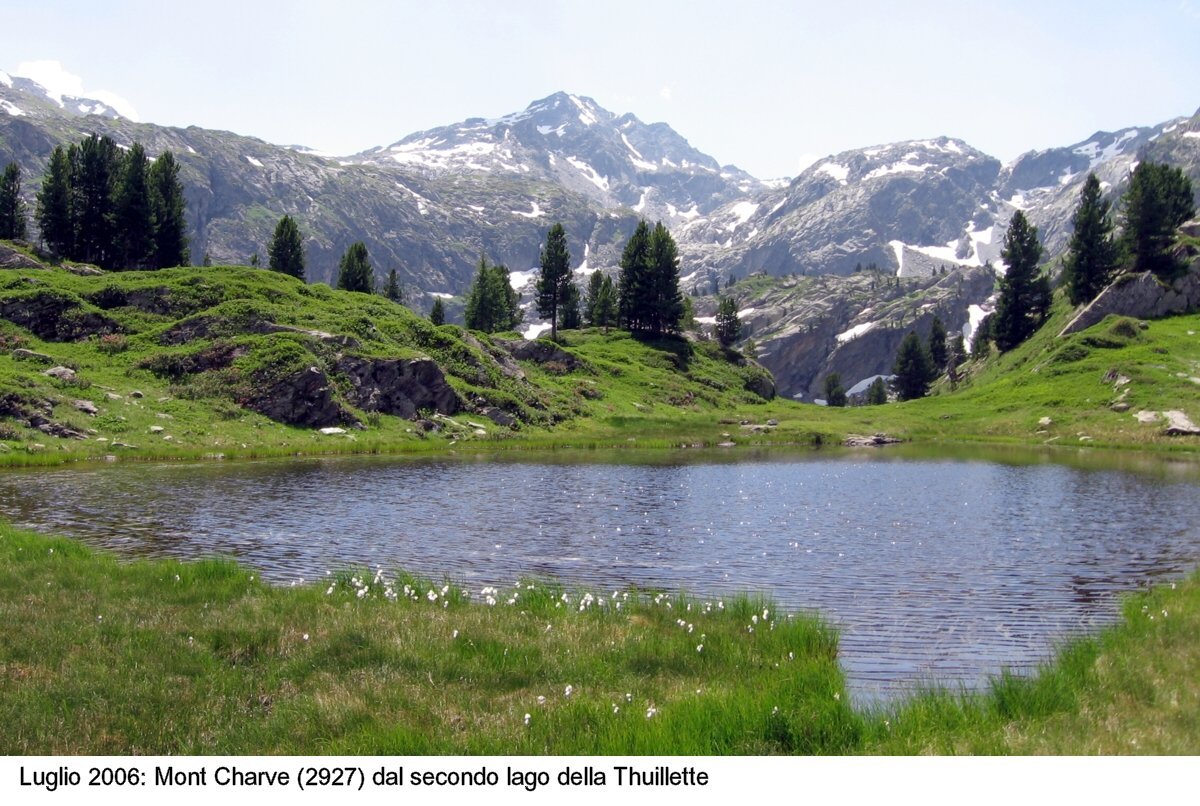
769, 86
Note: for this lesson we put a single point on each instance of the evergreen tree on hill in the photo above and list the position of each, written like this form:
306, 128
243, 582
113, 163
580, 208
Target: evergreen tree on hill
437, 314
634, 288
913, 369
354, 271
169, 207
568, 314
1024, 294
94, 173
1091, 253
604, 311
392, 288
877, 393
285, 253
595, 282
53, 211
835, 394
1159, 199
492, 304
666, 302
728, 327
134, 220
937, 345
554, 278
12, 206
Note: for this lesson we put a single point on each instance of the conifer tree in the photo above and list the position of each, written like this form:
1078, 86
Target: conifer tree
392, 288
285, 253
937, 344
595, 282
134, 223
666, 302
1091, 253
354, 270
94, 175
877, 392
568, 314
634, 286
12, 206
1159, 199
170, 223
913, 369
554, 278
604, 312
437, 314
1024, 296
835, 394
53, 211
492, 304
728, 327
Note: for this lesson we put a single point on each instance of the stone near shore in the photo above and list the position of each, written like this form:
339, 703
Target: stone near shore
874, 441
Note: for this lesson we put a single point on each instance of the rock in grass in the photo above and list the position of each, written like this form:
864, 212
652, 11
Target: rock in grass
22, 354
61, 373
1179, 425
86, 406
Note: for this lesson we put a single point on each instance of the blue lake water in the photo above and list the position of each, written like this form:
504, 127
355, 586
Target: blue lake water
934, 569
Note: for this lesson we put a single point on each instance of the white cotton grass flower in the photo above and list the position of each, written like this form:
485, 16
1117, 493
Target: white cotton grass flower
699, 647
568, 691
454, 634
650, 712
528, 718
541, 700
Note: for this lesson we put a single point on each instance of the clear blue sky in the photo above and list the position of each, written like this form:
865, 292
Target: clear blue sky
764, 85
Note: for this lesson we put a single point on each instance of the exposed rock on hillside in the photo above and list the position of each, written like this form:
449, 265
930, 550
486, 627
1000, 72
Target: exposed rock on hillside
1142, 296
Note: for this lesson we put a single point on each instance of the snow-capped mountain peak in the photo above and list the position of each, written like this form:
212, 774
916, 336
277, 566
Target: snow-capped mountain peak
573, 141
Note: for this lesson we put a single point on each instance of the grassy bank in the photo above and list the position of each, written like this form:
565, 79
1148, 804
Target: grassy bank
173, 357
100, 656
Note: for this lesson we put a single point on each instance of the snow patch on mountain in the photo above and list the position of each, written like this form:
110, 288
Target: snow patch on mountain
11, 109
838, 172
589, 173
536, 212
252, 161
855, 332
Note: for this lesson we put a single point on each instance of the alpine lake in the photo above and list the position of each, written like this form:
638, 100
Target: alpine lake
937, 565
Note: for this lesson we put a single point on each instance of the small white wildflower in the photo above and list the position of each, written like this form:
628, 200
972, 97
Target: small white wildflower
1164, 613
699, 647
454, 634
329, 590
651, 711
527, 718
177, 577
362, 592
567, 691
305, 636
791, 656
616, 708
432, 596
754, 619
775, 710
837, 695
628, 697
765, 614
541, 700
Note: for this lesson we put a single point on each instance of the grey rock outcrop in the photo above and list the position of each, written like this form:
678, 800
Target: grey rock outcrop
401, 387
1142, 296
304, 398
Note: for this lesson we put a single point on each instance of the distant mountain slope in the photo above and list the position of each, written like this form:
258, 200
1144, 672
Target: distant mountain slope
432, 202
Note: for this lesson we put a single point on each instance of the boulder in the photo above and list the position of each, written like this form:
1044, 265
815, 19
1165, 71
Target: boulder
86, 406
498, 416
21, 354
763, 385
874, 441
61, 373
541, 351
1179, 425
398, 386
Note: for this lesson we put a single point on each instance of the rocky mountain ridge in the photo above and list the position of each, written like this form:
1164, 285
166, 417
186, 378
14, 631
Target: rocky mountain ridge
432, 202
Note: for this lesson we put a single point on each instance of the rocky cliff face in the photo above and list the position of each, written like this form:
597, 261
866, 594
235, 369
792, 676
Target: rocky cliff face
805, 328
